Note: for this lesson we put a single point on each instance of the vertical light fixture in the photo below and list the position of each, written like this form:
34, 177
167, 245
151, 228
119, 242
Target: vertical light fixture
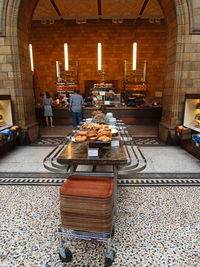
134, 56
99, 56
31, 56
66, 57
58, 71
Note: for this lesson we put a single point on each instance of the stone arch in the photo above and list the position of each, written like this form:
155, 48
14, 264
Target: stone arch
19, 13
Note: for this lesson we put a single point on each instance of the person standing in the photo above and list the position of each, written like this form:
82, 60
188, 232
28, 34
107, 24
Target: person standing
76, 102
48, 109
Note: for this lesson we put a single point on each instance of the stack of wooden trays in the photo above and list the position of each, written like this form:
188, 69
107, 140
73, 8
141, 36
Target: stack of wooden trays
86, 203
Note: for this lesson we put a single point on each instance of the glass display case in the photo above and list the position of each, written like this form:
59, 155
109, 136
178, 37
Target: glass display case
67, 80
105, 94
6, 118
192, 112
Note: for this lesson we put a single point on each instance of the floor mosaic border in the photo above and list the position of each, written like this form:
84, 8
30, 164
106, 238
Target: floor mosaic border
57, 179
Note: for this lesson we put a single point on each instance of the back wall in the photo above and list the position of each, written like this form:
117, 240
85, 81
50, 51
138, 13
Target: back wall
117, 39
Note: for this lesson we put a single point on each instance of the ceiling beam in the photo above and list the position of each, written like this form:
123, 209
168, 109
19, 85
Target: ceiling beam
99, 7
55, 7
143, 7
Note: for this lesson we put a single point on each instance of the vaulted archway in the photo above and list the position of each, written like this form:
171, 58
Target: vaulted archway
179, 78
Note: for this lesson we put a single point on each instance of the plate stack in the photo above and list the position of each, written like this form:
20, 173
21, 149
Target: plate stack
86, 203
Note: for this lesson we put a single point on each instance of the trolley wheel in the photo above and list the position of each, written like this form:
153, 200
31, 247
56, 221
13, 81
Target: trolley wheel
109, 261
66, 255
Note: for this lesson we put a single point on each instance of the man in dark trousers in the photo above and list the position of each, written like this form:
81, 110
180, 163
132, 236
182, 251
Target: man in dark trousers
75, 105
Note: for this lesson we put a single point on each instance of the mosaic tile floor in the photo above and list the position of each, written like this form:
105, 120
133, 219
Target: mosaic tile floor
48, 141
148, 141
156, 226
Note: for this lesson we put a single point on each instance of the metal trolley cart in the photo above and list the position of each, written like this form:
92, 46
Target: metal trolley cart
86, 204
68, 157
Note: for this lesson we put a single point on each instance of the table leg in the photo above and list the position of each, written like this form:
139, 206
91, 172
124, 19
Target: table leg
71, 169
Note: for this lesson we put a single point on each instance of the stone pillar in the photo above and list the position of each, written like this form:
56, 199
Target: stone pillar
182, 67
16, 76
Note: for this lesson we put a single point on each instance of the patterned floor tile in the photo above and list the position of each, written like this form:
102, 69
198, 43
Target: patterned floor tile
155, 227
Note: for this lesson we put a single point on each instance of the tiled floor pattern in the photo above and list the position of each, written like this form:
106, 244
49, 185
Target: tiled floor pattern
156, 226
148, 141
46, 179
47, 141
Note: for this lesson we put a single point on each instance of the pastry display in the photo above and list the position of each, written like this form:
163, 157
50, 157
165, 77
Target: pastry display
94, 132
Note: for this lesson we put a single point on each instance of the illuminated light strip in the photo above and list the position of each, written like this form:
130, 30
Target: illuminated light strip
99, 56
134, 55
31, 56
66, 57
57, 70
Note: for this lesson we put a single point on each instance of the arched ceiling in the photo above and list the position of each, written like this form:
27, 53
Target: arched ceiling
95, 9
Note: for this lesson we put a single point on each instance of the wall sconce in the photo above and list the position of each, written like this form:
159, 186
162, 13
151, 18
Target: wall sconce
31, 56
99, 56
134, 56
66, 57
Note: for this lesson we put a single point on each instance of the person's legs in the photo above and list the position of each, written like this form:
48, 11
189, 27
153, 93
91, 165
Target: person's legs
51, 122
47, 121
74, 119
79, 117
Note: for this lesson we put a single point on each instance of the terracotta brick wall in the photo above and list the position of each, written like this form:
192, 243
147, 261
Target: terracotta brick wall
117, 39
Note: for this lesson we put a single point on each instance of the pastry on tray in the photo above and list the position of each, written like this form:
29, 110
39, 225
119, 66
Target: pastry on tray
82, 133
80, 138
104, 138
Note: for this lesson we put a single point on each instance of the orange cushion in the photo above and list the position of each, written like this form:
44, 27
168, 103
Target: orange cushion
87, 186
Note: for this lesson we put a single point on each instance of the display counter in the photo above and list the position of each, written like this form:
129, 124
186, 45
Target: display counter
130, 115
